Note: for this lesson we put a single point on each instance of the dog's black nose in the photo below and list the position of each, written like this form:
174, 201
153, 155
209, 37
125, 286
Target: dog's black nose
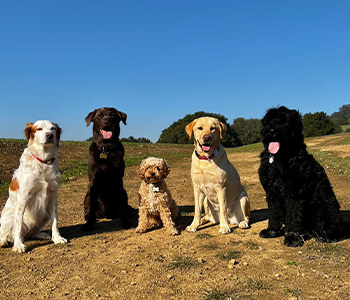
49, 135
206, 138
152, 174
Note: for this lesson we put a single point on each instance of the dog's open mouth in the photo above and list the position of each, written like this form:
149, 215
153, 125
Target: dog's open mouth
106, 134
205, 147
274, 147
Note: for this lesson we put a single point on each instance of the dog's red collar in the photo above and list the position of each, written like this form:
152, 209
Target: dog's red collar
46, 162
206, 157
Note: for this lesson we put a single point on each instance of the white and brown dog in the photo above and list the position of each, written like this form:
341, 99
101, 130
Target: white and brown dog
156, 204
216, 182
33, 190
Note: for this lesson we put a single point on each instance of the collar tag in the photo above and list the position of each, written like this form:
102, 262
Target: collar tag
271, 159
103, 154
156, 189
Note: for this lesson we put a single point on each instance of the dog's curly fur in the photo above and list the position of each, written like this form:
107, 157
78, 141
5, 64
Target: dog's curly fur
156, 204
298, 192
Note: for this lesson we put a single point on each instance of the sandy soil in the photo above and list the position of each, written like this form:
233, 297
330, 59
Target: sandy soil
111, 263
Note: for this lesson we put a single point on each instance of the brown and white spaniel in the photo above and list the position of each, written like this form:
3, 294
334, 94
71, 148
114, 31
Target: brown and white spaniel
33, 190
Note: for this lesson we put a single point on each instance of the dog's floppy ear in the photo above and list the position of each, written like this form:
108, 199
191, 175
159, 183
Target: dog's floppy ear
189, 128
141, 170
121, 115
28, 130
58, 133
166, 169
89, 117
223, 129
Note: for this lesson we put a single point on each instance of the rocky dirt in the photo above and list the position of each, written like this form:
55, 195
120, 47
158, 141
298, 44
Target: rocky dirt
111, 263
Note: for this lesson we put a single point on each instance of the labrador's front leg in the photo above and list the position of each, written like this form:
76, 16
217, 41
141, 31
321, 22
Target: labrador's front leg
198, 205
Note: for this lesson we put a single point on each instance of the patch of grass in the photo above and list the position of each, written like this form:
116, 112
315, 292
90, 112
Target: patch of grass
292, 263
76, 170
203, 236
182, 263
220, 294
210, 246
255, 285
252, 245
330, 250
296, 293
99, 237
228, 255
4, 187
251, 147
338, 165
347, 140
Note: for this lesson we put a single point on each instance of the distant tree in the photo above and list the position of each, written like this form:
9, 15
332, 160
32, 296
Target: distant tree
318, 124
342, 117
131, 139
247, 130
176, 133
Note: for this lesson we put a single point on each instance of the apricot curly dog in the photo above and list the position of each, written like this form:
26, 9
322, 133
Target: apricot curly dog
156, 204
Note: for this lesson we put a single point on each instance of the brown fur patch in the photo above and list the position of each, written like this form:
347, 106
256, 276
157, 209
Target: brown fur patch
30, 131
14, 186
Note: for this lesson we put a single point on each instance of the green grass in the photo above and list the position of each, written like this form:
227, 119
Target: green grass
338, 165
228, 255
329, 250
182, 263
292, 263
344, 128
252, 245
76, 170
221, 294
255, 285
209, 246
295, 293
203, 236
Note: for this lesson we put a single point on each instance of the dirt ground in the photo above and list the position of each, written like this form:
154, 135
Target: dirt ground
111, 263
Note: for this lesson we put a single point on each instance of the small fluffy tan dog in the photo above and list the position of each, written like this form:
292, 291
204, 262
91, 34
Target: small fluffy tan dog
216, 183
156, 204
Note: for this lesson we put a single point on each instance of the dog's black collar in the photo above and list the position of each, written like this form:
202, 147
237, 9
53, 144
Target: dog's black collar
206, 157
105, 151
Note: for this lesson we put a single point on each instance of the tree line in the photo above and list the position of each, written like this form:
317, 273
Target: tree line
247, 131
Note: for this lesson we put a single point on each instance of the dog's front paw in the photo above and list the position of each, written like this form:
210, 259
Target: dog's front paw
293, 239
4, 244
270, 234
224, 229
19, 247
173, 231
140, 229
244, 225
59, 240
191, 228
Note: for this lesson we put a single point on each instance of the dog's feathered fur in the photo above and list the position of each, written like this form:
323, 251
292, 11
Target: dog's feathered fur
156, 204
298, 192
32, 198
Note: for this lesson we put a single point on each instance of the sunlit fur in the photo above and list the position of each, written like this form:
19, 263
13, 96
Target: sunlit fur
32, 198
216, 183
156, 204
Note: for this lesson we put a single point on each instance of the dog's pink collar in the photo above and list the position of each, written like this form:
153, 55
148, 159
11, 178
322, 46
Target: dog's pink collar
206, 157
46, 162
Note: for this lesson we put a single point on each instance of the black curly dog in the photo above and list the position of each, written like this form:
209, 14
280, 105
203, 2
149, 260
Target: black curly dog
298, 192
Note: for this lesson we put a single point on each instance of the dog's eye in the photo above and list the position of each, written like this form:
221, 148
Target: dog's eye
200, 128
53, 128
158, 169
39, 129
213, 128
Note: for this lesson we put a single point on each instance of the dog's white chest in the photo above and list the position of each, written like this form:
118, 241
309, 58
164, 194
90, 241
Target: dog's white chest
152, 198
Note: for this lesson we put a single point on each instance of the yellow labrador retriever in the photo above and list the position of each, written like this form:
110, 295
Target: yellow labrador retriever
216, 182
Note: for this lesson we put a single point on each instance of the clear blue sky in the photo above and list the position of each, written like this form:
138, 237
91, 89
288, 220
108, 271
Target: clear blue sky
160, 60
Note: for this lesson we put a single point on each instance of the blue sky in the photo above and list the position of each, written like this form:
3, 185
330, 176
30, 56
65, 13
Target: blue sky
158, 61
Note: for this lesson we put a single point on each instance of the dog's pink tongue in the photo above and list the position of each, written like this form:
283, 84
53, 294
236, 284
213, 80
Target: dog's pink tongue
106, 134
274, 147
205, 148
